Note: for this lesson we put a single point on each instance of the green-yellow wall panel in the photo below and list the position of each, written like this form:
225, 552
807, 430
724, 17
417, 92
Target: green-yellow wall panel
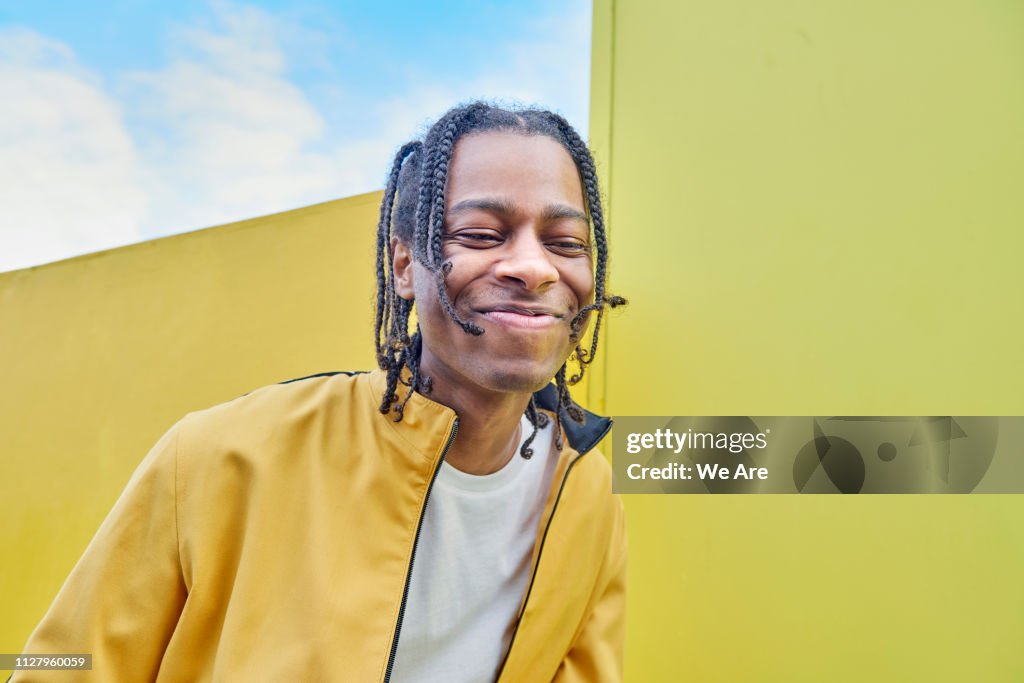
815, 208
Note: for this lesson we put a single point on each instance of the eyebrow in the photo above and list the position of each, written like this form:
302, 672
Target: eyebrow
503, 206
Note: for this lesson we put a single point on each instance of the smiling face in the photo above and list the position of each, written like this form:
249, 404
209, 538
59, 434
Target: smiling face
518, 239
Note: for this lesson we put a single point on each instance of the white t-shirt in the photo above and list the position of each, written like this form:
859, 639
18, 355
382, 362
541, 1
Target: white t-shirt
471, 567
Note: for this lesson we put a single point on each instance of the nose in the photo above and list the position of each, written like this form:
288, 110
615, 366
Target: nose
527, 261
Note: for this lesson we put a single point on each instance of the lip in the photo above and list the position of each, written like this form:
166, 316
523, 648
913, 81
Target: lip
522, 317
521, 320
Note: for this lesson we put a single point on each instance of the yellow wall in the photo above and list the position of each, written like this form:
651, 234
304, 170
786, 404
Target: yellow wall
816, 210
101, 354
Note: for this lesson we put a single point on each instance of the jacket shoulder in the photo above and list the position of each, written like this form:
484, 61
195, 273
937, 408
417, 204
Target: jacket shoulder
272, 398
270, 414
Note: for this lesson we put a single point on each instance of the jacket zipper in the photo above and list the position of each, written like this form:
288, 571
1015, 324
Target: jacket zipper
540, 551
412, 557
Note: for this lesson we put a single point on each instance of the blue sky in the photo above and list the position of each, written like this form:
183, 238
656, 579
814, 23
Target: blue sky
127, 120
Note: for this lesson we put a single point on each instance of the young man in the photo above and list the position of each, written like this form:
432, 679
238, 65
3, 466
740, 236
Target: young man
442, 518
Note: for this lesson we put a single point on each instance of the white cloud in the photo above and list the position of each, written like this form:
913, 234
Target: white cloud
68, 177
232, 136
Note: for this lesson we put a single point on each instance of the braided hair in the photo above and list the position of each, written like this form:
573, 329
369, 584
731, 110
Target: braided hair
418, 177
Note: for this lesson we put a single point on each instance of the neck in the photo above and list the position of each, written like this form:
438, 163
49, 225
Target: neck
489, 421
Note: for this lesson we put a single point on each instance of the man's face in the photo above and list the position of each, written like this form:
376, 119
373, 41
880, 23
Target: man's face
518, 239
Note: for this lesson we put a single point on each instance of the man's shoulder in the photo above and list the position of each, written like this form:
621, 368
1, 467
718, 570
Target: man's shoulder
272, 408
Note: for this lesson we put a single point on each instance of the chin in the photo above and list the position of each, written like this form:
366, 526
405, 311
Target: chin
519, 379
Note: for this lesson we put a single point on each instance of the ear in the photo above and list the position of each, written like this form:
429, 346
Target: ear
401, 259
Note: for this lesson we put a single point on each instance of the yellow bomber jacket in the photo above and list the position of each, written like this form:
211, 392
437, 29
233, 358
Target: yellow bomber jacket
272, 538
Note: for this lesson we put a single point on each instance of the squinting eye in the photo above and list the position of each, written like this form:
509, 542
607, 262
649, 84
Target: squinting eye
473, 239
478, 237
572, 246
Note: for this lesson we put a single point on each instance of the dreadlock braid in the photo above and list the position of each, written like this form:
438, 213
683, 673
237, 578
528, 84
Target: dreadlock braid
414, 202
585, 163
392, 316
445, 144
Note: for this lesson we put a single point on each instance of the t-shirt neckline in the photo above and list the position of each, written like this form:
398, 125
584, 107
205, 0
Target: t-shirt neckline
453, 478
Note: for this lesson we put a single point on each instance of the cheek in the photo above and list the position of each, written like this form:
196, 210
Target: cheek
428, 304
462, 272
429, 308
581, 281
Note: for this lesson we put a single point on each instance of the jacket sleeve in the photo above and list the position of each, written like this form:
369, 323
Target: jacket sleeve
123, 598
598, 652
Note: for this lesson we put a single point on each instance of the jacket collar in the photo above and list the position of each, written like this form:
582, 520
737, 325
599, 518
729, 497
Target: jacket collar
422, 413
581, 437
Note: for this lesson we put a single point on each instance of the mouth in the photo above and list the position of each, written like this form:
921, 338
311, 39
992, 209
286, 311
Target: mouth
522, 317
